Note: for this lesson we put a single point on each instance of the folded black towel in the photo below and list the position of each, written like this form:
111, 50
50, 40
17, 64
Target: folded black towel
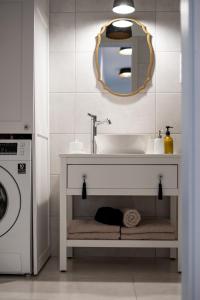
109, 216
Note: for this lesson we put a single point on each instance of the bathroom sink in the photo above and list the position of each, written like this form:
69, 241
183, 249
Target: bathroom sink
121, 144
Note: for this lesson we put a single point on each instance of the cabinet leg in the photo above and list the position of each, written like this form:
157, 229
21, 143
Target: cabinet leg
173, 219
179, 234
179, 260
69, 218
62, 250
63, 220
63, 260
173, 253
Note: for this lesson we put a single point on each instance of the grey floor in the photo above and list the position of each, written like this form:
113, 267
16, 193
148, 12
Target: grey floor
98, 279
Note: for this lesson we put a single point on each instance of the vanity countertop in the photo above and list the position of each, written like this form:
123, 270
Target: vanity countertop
120, 158
89, 155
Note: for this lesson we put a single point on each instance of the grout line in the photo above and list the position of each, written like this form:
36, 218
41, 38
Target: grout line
75, 95
155, 124
109, 11
134, 288
105, 93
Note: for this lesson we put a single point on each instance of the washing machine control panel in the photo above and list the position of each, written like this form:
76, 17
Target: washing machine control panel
8, 148
21, 149
15, 149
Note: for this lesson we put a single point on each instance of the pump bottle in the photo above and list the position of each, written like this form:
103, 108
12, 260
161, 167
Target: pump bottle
168, 142
158, 144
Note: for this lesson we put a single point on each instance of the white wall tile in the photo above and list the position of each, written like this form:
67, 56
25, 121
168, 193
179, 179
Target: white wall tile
168, 72
149, 20
162, 252
94, 5
162, 207
60, 24
62, 5
88, 208
54, 236
131, 115
59, 143
88, 26
151, 85
145, 205
145, 5
113, 252
87, 103
106, 5
168, 31
168, 5
168, 111
177, 143
62, 107
62, 72
85, 73
54, 196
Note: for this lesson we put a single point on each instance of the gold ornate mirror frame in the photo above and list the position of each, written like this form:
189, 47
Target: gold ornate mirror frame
151, 62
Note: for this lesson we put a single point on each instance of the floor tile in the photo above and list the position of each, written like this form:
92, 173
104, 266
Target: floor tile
97, 279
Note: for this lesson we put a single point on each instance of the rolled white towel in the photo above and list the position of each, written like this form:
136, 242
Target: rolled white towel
131, 217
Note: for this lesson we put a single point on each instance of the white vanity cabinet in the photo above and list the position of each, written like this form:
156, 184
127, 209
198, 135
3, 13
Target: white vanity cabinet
118, 175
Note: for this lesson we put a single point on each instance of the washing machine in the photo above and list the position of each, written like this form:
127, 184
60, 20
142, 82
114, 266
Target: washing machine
15, 207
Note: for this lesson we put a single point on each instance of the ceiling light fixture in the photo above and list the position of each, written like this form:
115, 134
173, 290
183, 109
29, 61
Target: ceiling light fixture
126, 51
123, 7
125, 73
122, 23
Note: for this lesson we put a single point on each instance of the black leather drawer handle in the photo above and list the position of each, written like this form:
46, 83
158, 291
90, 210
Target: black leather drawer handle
160, 188
84, 188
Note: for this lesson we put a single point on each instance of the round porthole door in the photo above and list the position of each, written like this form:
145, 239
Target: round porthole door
10, 201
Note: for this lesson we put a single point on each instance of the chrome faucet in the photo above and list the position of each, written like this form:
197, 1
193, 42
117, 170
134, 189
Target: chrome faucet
94, 124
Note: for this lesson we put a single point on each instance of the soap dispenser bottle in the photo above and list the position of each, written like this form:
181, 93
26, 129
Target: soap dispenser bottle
168, 142
158, 144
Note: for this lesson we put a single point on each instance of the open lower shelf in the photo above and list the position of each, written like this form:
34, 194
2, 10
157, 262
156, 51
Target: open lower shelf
123, 243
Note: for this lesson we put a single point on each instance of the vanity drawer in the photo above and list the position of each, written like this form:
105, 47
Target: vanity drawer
122, 176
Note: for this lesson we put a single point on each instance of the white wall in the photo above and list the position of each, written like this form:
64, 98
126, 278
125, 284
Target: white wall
74, 91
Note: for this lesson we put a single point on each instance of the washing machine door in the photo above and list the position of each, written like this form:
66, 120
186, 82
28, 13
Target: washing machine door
10, 201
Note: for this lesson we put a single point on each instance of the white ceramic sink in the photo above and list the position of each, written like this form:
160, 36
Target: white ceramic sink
121, 144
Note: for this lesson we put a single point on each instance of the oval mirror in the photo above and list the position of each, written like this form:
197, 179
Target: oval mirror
124, 57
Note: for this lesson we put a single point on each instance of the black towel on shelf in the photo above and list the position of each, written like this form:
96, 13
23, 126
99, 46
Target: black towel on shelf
109, 216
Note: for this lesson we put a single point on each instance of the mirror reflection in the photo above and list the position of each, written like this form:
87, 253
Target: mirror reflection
124, 57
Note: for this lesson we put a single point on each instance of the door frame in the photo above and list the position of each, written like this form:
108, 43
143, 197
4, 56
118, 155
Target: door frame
190, 183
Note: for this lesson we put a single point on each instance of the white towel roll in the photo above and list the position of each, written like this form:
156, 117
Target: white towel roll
131, 217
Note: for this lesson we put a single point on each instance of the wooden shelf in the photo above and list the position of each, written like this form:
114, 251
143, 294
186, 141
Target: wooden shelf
123, 243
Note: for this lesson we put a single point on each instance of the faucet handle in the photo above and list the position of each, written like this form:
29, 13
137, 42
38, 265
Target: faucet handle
92, 116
